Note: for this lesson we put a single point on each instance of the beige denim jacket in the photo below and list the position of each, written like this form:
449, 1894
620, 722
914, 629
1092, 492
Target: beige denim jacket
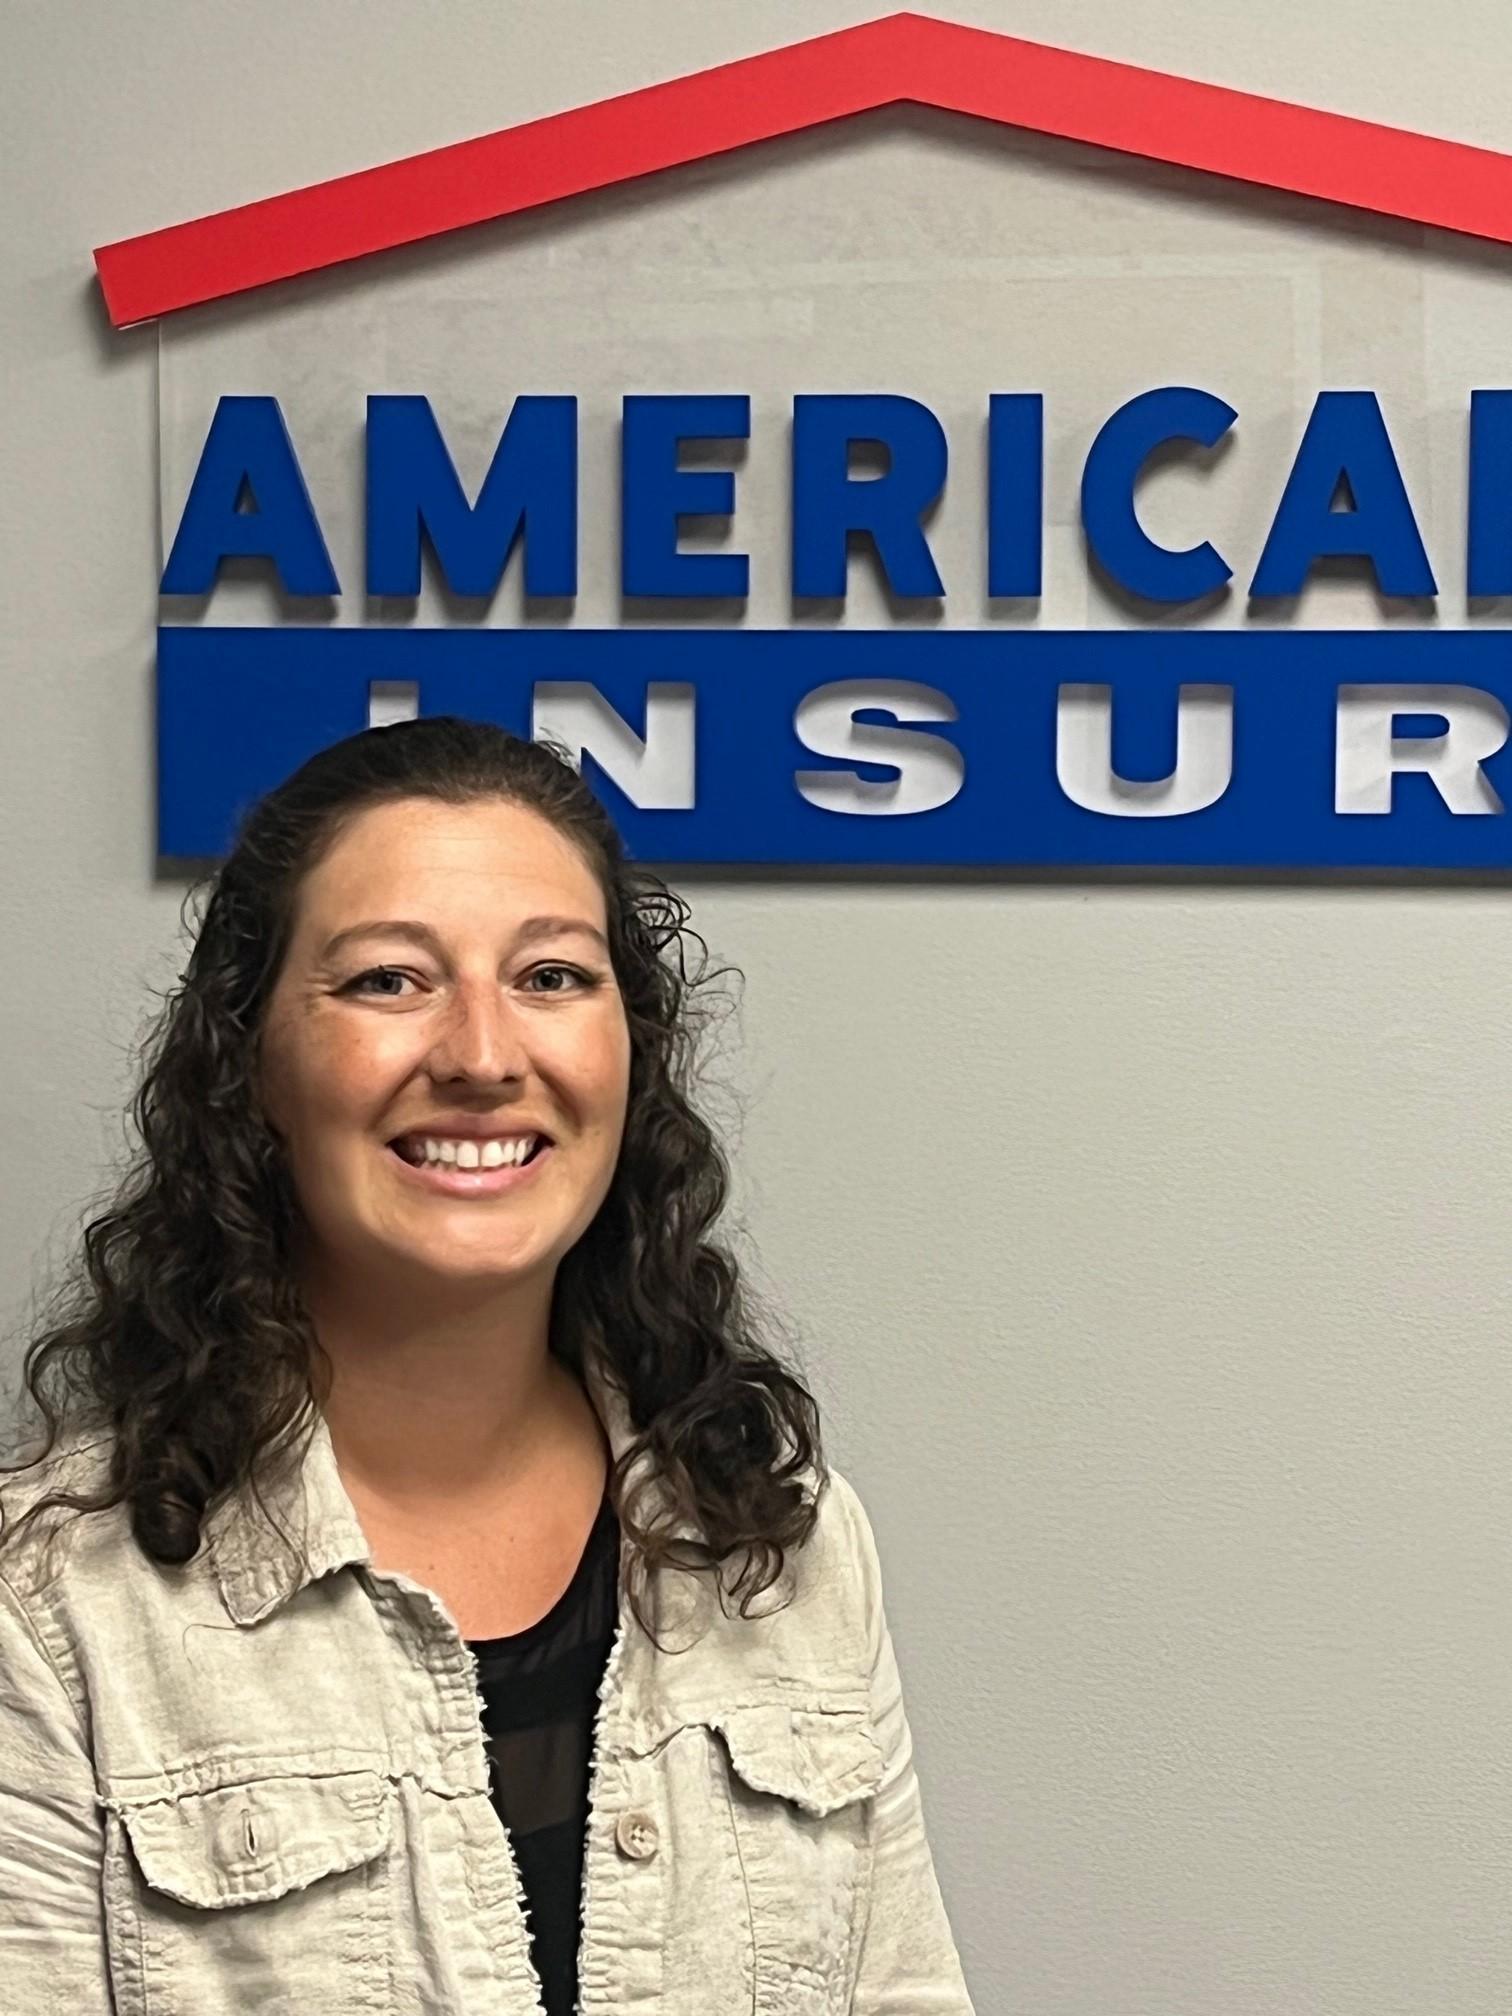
242, 1786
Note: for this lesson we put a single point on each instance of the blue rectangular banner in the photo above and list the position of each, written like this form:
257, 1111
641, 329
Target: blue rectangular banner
1006, 748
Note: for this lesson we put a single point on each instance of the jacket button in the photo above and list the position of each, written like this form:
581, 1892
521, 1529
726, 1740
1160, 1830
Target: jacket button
635, 1835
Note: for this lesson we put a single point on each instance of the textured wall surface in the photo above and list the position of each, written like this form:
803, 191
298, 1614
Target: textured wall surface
1144, 1240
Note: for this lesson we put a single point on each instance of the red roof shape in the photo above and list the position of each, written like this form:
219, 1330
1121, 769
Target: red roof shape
900, 59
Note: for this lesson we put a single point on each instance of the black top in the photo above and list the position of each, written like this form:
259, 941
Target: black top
540, 1698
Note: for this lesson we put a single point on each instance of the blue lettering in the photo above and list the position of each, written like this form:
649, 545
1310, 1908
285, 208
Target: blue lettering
1488, 558
248, 455
1124, 444
829, 504
1346, 443
529, 495
655, 493
1015, 492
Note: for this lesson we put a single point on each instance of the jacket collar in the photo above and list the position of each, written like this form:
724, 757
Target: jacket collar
258, 1572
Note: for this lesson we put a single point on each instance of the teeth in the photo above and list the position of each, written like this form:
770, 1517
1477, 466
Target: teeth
469, 1154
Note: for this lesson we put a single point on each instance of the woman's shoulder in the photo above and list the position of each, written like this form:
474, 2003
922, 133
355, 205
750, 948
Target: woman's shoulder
842, 1548
78, 1460
823, 1611
42, 1535
792, 1668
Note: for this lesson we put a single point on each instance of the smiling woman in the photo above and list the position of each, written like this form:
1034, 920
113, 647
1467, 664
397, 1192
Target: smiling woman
458, 1612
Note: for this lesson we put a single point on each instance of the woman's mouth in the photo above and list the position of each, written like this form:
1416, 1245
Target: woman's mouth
470, 1167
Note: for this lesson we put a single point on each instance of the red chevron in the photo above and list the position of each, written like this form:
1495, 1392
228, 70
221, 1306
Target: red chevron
901, 59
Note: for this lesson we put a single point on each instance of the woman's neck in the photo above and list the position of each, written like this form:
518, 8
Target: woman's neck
448, 1403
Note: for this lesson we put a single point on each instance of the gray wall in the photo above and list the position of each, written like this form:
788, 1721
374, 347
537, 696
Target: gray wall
1145, 1241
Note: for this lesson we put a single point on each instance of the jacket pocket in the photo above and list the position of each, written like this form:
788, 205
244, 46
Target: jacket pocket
266, 1894
800, 1781
819, 1759
251, 1843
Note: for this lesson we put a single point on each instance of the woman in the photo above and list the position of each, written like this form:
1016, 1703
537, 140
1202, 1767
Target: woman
411, 1467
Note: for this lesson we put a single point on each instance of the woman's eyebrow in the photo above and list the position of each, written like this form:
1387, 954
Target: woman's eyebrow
381, 927
555, 927
421, 934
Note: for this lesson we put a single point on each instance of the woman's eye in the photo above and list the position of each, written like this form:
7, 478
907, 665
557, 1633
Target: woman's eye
360, 984
570, 974
385, 983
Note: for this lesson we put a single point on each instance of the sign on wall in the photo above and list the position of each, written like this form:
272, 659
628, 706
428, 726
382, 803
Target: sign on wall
681, 568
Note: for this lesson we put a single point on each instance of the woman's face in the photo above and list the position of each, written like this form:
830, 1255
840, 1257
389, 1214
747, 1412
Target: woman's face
447, 993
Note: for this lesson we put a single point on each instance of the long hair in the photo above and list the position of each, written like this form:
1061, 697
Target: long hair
179, 1336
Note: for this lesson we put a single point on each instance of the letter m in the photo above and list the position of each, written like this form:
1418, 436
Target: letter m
414, 492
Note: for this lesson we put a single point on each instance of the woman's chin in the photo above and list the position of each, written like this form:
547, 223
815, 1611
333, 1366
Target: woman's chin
439, 1263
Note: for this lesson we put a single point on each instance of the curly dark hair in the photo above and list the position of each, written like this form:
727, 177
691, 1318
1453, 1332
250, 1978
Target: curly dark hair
180, 1336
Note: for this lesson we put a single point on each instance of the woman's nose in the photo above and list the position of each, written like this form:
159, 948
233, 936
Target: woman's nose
482, 1038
